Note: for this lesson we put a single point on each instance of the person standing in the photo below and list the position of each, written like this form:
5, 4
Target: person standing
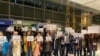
3, 46
66, 44
48, 46
92, 44
77, 46
39, 41
16, 44
62, 46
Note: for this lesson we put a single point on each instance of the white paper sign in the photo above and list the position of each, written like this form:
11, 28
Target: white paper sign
94, 29
40, 39
59, 29
48, 38
59, 33
33, 29
25, 29
30, 38
75, 34
3, 39
51, 27
16, 37
11, 29
41, 29
84, 31
69, 30
19, 22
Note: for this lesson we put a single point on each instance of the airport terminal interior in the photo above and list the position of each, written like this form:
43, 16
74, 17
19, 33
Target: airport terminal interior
49, 27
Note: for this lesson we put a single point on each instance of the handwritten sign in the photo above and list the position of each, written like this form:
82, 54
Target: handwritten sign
10, 29
33, 29
25, 29
16, 37
30, 38
19, 22
41, 29
40, 38
48, 38
59, 33
3, 39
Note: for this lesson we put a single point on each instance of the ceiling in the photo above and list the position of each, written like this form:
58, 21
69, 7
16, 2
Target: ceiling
95, 4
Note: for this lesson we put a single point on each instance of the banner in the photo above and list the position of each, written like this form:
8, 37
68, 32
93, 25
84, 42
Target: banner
94, 29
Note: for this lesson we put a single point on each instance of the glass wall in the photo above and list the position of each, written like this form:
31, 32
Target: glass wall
35, 10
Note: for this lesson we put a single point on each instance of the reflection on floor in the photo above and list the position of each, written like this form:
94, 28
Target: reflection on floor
97, 52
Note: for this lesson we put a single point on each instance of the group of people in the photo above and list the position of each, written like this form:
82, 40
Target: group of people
47, 43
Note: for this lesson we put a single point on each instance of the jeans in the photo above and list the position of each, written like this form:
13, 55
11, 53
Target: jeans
55, 52
92, 52
66, 48
77, 52
62, 50
29, 53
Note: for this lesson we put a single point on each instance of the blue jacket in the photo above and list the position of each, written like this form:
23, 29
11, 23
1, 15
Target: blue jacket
5, 46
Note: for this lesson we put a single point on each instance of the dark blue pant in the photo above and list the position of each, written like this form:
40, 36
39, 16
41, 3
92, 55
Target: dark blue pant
56, 52
66, 48
62, 50
29, 51
77, 52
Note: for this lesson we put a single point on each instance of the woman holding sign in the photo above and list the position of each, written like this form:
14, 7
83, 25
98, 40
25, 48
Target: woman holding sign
16, 41
28, 40
39, 41
48, 44
3, 45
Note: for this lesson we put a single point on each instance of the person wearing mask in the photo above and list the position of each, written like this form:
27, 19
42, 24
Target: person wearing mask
38, 47
66, 44
48, 46
16, 44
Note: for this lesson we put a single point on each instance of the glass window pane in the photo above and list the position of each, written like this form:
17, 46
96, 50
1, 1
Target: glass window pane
56, 7
39, 14
39, 20
48, 15
29, 2
16, 10
38, 3
55, 16
4, 0
16, 18
28, 12
3, 17
48, 5
17, 1
63, 9
62, 17
3, 8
